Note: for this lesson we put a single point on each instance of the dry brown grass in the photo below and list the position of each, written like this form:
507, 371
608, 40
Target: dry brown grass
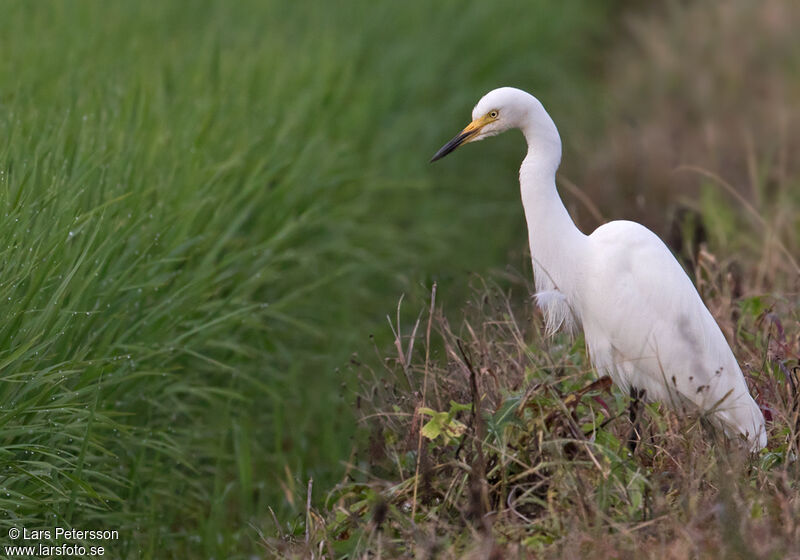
537, 465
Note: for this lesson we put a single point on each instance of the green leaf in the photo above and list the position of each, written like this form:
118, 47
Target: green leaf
441, 424
753, 306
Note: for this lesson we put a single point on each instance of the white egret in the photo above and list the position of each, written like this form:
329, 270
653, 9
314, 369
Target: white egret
644, 323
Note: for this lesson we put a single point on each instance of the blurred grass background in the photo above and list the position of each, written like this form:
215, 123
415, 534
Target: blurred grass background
207, 207
701, 105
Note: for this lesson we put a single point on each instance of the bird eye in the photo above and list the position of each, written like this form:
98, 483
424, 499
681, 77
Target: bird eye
493, 114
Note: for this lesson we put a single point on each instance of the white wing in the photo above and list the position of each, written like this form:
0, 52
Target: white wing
647, 327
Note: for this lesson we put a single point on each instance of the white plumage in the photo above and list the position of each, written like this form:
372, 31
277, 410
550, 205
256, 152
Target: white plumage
644, 322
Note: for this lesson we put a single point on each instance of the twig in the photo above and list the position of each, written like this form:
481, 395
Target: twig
398, 343
424, 394
478, 473
510, 505
308, 510
275, 521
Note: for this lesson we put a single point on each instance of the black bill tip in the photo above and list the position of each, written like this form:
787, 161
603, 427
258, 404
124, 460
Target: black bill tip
452, 145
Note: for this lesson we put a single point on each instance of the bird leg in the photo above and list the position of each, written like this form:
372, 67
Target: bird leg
635, 415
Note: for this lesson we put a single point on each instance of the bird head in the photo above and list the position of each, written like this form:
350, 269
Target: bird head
500, 110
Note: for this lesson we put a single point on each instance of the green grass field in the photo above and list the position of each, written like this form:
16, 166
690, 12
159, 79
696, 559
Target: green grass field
207, 207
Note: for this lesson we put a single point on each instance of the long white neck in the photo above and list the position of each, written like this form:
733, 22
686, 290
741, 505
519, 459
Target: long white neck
555, 242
